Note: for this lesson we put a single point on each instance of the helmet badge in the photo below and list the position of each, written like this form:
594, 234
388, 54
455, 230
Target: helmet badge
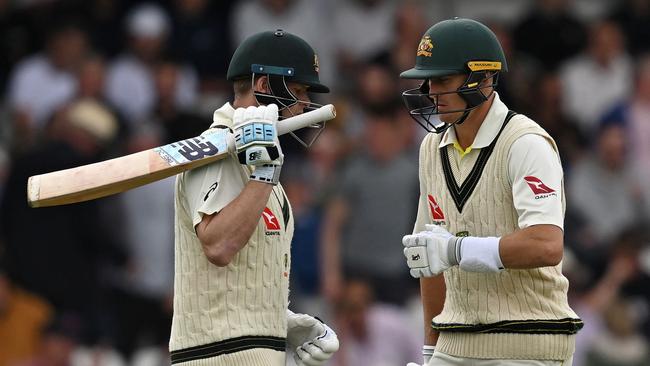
425, 47
316, 65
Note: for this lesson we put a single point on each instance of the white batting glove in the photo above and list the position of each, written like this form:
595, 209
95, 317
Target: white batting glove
256, 141
427, 353
430, 252
312, 340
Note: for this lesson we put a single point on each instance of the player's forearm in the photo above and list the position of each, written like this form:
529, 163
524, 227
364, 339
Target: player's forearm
532, 247
432, 290
224, 234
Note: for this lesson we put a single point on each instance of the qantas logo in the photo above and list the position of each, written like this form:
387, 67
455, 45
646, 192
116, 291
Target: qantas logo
436, 211
538, 187
270, 220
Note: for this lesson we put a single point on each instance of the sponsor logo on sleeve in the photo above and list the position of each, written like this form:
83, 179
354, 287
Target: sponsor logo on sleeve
540, 190
271, 222
436, 211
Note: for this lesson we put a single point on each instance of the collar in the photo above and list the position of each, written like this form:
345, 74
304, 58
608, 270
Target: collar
223, 116
488, 130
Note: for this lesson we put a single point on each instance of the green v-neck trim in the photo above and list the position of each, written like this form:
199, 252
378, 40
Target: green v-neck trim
461, 194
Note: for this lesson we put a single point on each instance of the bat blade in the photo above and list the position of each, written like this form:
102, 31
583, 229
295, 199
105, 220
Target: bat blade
117, 175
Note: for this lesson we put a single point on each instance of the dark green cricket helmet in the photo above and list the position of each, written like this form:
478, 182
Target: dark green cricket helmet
277, 53
451, 47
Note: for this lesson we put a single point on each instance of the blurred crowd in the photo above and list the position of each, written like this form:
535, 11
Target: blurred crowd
86, 80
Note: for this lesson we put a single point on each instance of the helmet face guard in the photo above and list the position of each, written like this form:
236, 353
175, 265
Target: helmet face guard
423, 107
280, 95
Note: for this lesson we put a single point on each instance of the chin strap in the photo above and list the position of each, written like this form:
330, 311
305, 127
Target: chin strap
462, 118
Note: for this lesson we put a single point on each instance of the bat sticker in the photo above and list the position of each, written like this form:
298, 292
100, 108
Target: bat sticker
193, 149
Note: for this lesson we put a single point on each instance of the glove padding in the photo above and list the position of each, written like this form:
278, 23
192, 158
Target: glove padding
256, 137
430, 252
312, 340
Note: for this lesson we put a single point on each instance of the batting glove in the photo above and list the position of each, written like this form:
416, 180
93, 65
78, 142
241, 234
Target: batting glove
430, 252
427, 353
312, 340
256, 141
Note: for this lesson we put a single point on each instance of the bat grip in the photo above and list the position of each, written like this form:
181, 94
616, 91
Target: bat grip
324, 113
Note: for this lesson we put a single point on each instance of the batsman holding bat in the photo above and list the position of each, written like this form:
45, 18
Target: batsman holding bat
234, 224
488, 239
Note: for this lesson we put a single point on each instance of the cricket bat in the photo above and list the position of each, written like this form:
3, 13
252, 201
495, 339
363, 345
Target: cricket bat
117, 175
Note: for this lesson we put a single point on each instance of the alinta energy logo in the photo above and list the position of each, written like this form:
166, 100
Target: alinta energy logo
540, 190
271, 222
436, 211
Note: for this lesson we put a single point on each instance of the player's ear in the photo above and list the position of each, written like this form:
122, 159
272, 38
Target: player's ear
262, 84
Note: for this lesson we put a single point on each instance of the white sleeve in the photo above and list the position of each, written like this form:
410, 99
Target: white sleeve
211, 188
423, 214
423, 217
535, 173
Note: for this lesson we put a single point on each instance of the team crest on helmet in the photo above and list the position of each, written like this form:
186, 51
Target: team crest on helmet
425, 47
316, 65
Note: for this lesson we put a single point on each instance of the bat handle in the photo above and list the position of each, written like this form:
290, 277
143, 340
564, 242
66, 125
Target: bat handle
322, 114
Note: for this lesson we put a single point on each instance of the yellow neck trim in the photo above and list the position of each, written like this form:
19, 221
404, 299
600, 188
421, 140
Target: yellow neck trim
460, 149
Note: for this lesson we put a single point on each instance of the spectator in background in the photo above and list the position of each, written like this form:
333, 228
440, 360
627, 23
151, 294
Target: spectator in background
22, 319
323, 157
130, 80
363, 29
550, 33
144, 286
43, 83
372, 333
602, 188
105, 25
547, 111
599, 78
633, 17
635, 115
201, 37
620, 343
91, 78
368, 213
514, 87
610, 337
409, 24
308, 185
57, 344
375, 86
58, 252
178, 123
305, 266
24, 28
